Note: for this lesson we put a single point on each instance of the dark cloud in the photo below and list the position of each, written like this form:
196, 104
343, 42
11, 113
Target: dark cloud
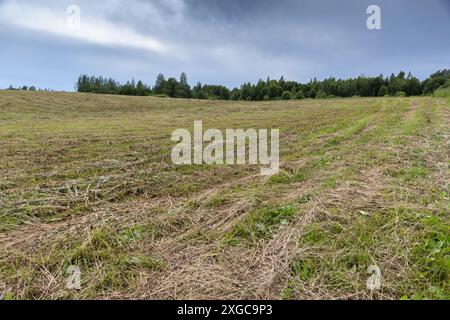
225, 42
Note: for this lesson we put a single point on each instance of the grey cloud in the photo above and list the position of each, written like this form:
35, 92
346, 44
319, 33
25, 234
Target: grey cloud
234, 41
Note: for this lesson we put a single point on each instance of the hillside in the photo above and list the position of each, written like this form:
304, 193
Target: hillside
87, 180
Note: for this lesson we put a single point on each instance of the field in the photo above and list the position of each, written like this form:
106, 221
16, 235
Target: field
87, 180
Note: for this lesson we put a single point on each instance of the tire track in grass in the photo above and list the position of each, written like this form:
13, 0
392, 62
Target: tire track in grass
308, 281
199, 267
261, 282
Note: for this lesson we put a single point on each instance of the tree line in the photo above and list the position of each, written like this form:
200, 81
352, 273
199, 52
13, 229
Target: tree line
401, 84
28, 88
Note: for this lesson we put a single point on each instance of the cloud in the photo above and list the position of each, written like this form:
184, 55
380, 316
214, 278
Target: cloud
65, 24
215, 41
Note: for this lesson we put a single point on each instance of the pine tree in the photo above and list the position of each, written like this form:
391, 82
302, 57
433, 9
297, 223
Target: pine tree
183, 88
159, 84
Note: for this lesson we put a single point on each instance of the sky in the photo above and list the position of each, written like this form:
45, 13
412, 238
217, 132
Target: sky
49, 43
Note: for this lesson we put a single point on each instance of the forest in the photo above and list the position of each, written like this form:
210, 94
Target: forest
400, 84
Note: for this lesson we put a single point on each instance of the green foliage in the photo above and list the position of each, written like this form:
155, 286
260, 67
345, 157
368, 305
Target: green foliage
321, 95
260, 224
304, 269
395, 85
9, 296
160, 84
93, 84
432, 256
170, 87
383, 91
443, 91
435, 81
274, 89
299, 95
286, 95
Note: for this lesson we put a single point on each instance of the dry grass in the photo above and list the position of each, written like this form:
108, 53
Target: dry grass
87, 181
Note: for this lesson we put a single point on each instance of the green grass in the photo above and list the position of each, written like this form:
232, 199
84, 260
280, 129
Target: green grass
260, 224
442, 93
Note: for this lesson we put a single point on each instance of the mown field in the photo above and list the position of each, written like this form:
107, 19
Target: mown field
87, 180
